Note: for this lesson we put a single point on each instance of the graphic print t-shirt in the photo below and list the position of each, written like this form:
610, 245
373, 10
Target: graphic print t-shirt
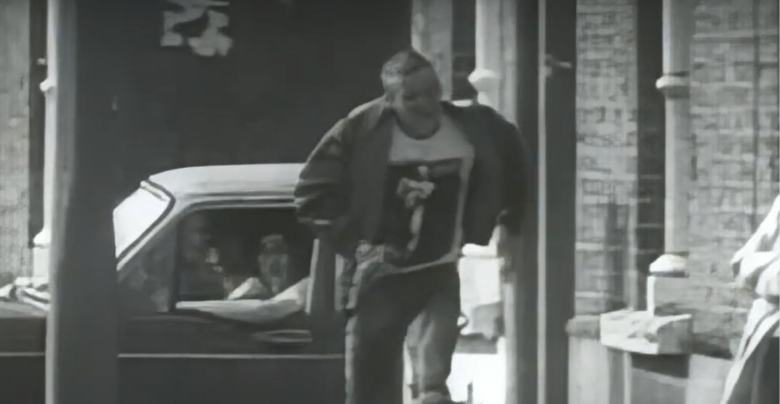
425, 194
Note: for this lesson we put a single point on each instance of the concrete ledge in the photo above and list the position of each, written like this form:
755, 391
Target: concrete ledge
584, 326
641, 332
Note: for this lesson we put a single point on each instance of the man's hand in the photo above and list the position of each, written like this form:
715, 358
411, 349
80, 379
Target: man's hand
504, 251
511, 221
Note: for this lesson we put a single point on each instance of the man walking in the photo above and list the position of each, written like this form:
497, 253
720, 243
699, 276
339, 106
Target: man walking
397, 187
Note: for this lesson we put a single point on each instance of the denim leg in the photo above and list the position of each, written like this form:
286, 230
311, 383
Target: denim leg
374, 342
378, 326
413, 340
375, 336
438, 335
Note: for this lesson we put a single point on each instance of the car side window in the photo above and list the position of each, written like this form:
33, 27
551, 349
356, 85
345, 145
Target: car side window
238, 262
148, 284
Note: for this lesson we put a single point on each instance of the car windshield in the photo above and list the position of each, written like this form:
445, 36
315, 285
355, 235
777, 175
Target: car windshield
136, 214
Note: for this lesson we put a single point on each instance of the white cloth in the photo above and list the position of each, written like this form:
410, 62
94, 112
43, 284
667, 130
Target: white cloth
757, 266
756, 263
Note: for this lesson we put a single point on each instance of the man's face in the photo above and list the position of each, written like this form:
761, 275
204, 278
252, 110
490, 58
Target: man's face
417, 99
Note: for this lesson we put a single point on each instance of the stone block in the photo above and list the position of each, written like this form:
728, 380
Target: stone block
670, 265
485, 320
641, 332
595, 372
706, 378
584, 326
672, 295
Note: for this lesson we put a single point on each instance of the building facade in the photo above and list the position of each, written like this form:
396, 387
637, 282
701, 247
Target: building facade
677, 140
627, 168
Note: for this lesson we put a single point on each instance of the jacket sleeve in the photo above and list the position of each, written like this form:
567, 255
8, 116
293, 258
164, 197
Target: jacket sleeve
321, 196
515, 159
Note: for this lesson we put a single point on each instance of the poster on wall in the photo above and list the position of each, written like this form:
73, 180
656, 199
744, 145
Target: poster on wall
209, 19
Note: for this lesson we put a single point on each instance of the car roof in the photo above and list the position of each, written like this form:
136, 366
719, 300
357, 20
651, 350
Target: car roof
243, 179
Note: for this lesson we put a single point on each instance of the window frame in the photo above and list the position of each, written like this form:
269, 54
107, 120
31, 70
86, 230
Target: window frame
152, 188
175, 273
173, 225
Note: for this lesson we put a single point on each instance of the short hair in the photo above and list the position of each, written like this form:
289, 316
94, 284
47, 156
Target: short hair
401, 65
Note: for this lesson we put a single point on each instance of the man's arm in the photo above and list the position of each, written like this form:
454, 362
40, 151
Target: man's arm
321, 196
515, 158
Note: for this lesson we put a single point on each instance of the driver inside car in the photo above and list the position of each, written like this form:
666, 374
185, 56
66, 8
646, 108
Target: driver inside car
200, 275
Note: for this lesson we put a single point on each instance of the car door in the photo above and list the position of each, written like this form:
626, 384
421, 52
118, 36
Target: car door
210, 316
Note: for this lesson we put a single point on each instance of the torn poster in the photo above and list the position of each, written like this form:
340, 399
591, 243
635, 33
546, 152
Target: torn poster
196, 24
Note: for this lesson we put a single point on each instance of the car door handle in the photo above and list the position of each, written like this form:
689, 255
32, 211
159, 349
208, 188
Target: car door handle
284, 337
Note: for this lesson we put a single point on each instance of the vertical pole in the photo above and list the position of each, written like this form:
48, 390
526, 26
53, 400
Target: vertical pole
523, 256
650, 164
495, 75
81, 338
558, 187
506, 78
541, 251
42, 240
432, 36
38, 72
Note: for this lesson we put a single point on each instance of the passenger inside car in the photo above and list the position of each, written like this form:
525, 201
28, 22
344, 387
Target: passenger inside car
242, 264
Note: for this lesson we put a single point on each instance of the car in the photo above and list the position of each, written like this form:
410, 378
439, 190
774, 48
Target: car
224, 296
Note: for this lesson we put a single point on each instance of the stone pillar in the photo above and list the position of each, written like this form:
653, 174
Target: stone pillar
674, 84
42, 240
495, 75
432, 36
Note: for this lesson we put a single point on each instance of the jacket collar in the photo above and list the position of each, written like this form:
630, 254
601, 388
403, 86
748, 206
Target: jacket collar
377, 110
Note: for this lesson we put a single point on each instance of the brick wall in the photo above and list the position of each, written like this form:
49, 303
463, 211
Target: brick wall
606, 152
734, 104
14, 113
734, 107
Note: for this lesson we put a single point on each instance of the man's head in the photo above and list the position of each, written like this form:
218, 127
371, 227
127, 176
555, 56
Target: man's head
412, 89
195, 237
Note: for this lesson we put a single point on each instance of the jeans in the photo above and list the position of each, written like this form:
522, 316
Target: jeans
378, 326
